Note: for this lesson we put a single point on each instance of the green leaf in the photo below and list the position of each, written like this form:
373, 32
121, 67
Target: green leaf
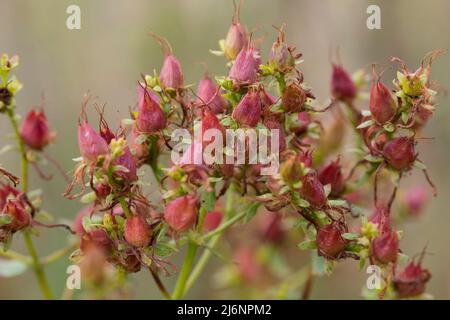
164, 249
365, 124
327, 190
338, 203
307, 244
350, 236
251, 211
88, 197
11, 268
5, 219
373, 159
420, 165
389, 127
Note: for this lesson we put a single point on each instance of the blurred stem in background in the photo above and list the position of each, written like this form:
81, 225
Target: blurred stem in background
37, 266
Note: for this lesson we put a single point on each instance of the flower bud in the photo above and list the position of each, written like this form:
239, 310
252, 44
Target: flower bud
236, 38
385, 247
20, 218
412, 280
150, 117
171, 75
245, 68
383, 103
330, 242
342, 86
312, 190
248, 110
291, 170
294, 97
91, 144
181, 213
137, 232
332, 175
399, 153
208, 92
212, 220
34, 131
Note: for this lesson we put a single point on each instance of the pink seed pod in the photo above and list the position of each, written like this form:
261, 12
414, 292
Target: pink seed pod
91, 144
416, 199
245, 68
171, 75
399, 153
150, 117
294, 98
127, 161
98, 238
137, 232
212, 220
209, 122
412, 280
181, 213
385, 247
236, 38
312, 190
383, 103
20, 218
330, 242
208, 92
342, 86
34, 131
248, 110
332, 174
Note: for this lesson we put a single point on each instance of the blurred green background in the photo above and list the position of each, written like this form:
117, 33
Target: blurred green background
112, 48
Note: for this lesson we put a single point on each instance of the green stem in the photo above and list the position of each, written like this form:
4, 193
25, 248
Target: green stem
225, 225
37, 266
201, 264
180, 286
55, 256
12, 255
124, 205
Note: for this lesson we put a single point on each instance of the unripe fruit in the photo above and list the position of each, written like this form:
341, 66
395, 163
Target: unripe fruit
235, 40
342, 86
330, 242
245, 68
291, 170
137, 232
150, 117
181, 213
332, 175
208, 92
399, 153
312, 191
127, 161
91, 144
34, 131
385, 247
412, 280
171, 75
383, 103
248, 111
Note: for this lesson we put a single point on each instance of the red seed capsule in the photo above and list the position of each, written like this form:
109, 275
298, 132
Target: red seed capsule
312, 190
330, 242
171, 75
248, 111
91, 144
245, 68
208, 92
412, 280
20, 218
150, 117
399, 153
342, 86
385, 247
181, 213
332, 175
34, 131
137, 232
383, 104
212, 220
